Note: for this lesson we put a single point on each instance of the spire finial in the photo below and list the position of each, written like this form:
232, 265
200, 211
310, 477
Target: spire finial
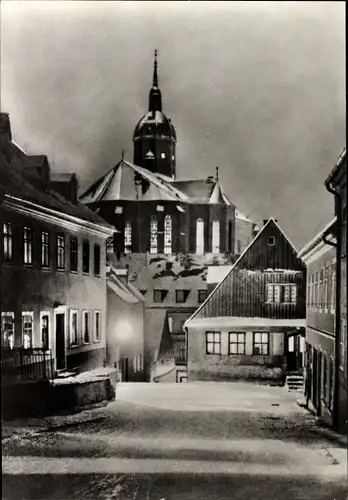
217, 173
155, 76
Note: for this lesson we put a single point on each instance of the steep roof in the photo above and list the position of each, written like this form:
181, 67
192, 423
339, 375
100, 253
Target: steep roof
250, 260
203, 191
318, 239
130, 182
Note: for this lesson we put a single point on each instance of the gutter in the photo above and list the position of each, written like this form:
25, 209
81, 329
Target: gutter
338, 197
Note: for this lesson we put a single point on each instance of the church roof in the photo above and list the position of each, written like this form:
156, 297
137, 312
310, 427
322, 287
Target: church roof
203, 191
129, 182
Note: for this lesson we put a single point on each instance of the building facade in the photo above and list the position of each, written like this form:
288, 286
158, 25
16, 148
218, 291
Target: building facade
252, 325
53, 276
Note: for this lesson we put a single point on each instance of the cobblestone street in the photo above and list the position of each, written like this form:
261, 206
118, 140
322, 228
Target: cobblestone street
184, 441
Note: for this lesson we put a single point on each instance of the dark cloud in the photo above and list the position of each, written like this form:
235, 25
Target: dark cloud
257, 88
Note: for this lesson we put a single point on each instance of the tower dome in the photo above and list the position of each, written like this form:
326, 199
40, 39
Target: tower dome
155, 132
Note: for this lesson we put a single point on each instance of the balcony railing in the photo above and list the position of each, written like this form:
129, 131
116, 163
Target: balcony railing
27, 364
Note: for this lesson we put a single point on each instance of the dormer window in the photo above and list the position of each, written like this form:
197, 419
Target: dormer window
159, 295
271, 241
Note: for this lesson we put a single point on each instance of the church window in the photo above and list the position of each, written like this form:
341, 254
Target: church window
128, 237
167, 234
153, 235
163, 155
200, 236
216, 237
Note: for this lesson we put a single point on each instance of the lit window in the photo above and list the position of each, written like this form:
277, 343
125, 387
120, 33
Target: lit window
160, 208
97, 325
86, 327
216, 237
273, 293
153, 235
45, 321
236, 343
7, 241
173, 157
85, 257
96, 259
28, 245
261, 343
293, 294
118, 210
128, 237
281, 293
163, 155
200, 237
271, 241
73, 254
60, 252
27, 329
167, 234
213, 342
73, 328
202, 295
7, 328
45, 249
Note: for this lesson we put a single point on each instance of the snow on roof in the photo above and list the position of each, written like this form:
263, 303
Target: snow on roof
217, 273
317, 239
229, 321
241, 216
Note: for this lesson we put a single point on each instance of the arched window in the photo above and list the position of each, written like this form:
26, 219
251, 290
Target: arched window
153, 235
167, 234
200, 237
216, 237
128, 237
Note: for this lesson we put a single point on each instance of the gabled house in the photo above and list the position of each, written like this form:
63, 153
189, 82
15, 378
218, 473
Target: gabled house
252, 325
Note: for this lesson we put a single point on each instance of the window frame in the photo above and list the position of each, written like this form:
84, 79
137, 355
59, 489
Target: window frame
158, 291
261, 343
199, 295
28, 245
42, 315
7, 241
128, 236
237, 343
215, 239
153, 235
86, 313
45, 250
333, 287
97, 313
86, 257
60, 251
96, 259
200, 236
30, 314
213, 342
168, 234
74, 254
73, 312
284, 289
184, 296
271, 241
5, 314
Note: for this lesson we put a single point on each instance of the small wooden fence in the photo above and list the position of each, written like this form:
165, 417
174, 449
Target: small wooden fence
27, 364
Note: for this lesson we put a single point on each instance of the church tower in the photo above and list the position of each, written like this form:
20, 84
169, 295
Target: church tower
154, 136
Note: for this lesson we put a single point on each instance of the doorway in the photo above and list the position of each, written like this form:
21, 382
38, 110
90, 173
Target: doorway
60, 341
295, 352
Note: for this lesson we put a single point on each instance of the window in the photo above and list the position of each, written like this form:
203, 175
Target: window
333, 288
281, 293
128, 237
163, 155
200, 237
173, 157
160, 208
85, 257
86, 327
271, 241
74, 328
239, 247
213, 342
28, 245
97, 325
118, 210
216, 237
326, 289
44, 326
236, 343
60, 252
316, 289
27, 329
96, 259
167, 234
310, 295
159, 295
180, 295
7, 241
321, 289
73, 254
7, 328
261, 343
45, 249
202, 295
153, 235
137, 363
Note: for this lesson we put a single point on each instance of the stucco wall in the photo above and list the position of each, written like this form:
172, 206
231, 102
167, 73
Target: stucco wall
202, 366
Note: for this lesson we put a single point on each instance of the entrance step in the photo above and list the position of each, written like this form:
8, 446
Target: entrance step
294, 382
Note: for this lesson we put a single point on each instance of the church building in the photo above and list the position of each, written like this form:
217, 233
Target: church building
168, 230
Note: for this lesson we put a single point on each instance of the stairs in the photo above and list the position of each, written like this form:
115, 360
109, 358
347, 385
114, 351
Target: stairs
294, 382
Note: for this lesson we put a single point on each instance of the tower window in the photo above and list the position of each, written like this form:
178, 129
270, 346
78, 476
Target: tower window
200, 237
128, 237
167, 234
216, 237
153, 235
163, 155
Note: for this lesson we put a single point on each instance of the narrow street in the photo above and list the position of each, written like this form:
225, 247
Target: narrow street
181, 441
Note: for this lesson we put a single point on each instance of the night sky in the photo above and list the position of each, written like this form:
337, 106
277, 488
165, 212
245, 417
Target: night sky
255, 88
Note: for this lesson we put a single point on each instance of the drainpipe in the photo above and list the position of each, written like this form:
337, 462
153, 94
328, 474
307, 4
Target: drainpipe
338, 203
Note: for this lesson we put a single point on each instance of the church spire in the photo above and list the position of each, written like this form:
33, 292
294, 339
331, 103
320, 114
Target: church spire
155, 97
